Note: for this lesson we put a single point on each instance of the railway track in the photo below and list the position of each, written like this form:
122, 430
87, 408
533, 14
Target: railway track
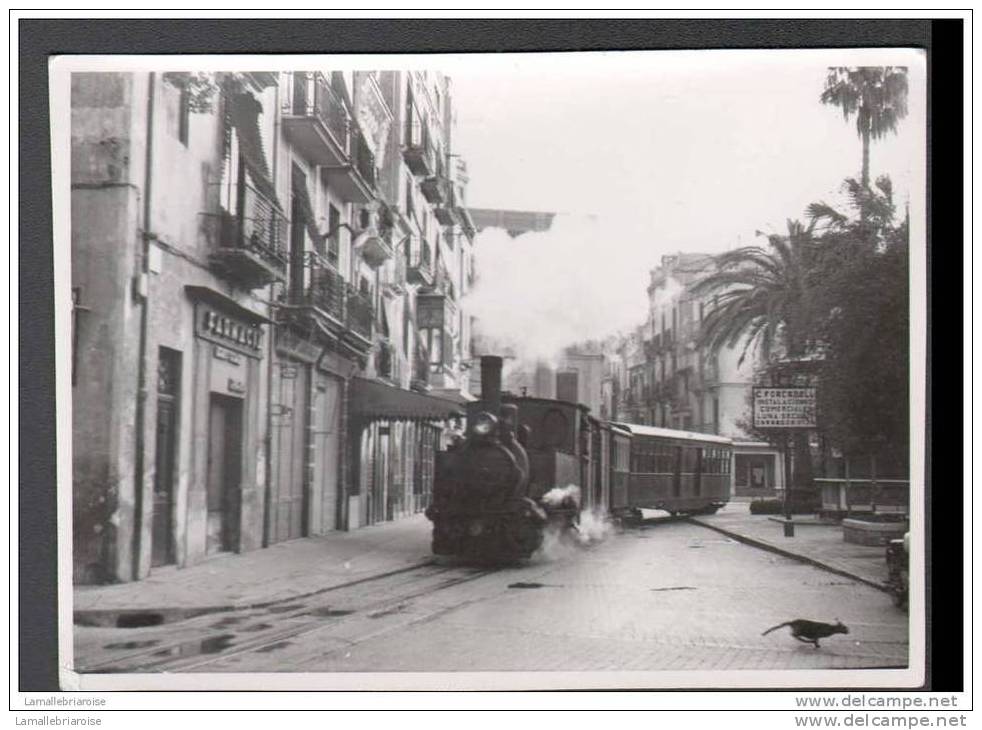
249, 630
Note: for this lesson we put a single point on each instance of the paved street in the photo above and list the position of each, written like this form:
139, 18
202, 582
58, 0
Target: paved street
665, 596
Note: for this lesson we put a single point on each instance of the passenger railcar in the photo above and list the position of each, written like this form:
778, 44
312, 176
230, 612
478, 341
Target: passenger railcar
675, 471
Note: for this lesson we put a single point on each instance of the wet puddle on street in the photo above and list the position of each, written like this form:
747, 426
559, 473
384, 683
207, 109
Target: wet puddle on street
327, 612
274, 647
675, 588
133, 644
256, 627
211, 645
284, 609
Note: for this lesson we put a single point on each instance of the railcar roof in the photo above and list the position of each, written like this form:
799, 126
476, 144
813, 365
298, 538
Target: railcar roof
671, 433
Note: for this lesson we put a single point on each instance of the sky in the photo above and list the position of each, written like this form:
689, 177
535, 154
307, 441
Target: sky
652, 153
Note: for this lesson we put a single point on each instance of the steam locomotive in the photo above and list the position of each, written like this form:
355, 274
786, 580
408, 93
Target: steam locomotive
526, 464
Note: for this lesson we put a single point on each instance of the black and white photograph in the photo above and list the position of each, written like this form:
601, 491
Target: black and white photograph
587, 370
404, 374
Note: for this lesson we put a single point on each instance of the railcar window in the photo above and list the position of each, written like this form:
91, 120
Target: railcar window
689, 458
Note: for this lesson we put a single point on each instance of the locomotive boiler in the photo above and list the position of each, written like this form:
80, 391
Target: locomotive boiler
493, 495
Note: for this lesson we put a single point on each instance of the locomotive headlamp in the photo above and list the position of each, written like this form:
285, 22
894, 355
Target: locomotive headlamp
484, 424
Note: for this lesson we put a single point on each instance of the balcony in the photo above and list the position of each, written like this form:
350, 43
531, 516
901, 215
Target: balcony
361, 314
419, 263
375, 244
355, 181
418, 151
394, 278
335, 304
319, 125
466, 222
315, 119
437, 190
252, 242
325, 289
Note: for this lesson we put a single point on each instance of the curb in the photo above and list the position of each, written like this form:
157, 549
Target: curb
149, 616
770, 547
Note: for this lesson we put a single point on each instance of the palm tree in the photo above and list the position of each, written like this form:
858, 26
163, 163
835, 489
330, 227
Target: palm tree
766, 299
762, 297
877, 95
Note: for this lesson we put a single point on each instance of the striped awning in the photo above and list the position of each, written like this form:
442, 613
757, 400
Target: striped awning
373, 400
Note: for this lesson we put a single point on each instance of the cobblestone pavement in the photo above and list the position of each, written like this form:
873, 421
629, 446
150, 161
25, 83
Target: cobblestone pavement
673, 596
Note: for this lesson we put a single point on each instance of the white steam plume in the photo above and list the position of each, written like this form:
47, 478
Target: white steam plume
540, 292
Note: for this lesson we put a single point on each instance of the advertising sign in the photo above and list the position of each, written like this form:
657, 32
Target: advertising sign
784, 408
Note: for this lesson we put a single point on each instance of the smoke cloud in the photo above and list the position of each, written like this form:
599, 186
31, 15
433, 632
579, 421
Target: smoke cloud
540, 292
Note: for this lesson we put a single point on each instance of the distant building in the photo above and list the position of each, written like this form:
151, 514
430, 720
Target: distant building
669, 379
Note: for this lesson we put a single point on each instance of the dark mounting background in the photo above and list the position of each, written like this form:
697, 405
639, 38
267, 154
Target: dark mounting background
39, 39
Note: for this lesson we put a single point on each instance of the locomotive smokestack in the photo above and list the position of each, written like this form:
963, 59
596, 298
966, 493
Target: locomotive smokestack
491, 382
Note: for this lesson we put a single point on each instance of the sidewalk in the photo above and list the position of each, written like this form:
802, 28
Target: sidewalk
282, 571
308, 566
819, 544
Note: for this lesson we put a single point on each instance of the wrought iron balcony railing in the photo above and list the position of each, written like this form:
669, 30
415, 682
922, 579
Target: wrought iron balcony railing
316, 118
361, 313
325, 289
418, 152
251, 240
363, 158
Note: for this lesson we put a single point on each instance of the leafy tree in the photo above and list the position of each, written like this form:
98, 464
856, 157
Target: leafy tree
876, 95
201, 88
864, 376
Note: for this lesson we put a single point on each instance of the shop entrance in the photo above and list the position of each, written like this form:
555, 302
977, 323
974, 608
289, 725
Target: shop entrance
379, 510
289, 446
168, 387
224, 472
326, 438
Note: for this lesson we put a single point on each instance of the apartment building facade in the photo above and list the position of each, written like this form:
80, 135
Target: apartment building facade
253, 257
674, 381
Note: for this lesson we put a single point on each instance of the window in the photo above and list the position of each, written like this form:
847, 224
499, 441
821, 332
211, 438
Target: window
410, 203
405, 324
183, 114
333, 242
434, 342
